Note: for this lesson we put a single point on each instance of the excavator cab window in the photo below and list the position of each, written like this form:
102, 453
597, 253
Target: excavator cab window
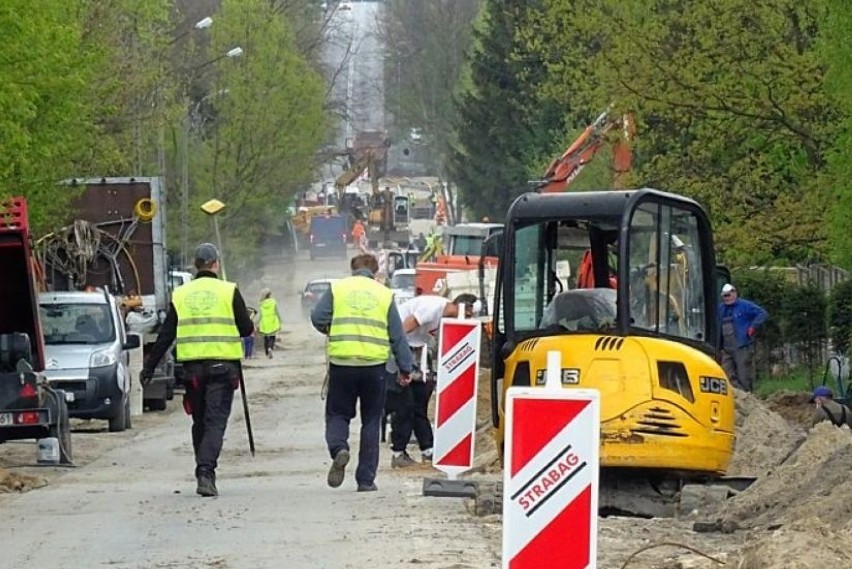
637, 266
544, 255
666, 288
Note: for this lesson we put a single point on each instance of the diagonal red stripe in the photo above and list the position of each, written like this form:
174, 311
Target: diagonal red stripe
454, 396
460, 455
454, 333
564, 542
536, 422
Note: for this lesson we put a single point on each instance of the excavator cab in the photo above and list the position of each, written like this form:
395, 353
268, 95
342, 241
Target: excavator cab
640, 329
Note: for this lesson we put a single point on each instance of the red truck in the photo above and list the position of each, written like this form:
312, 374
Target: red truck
29, 407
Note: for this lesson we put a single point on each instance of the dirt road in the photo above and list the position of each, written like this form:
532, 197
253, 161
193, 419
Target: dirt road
131, 500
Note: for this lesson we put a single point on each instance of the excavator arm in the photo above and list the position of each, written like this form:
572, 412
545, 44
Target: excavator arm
564, 169
353, 172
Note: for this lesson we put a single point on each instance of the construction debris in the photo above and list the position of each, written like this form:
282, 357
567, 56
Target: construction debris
14, 482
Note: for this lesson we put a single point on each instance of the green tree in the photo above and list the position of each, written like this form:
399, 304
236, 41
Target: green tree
266, 126
840, 317
425, 45
836, 38
730, 104
44, 108
504, 127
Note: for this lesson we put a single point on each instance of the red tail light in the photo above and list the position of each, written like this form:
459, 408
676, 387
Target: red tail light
28, 392
27, 418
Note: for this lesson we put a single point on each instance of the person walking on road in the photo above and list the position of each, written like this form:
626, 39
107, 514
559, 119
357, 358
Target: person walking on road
827, 409
207, 319
358, 232
269, 321
363, 327
409, 402
739, 319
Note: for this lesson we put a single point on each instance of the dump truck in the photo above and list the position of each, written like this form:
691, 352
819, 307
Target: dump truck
117, 242
29, 407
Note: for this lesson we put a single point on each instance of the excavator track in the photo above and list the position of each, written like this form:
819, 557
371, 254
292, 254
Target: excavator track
637, 495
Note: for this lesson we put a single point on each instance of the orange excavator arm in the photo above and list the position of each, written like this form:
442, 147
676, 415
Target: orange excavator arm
564, 169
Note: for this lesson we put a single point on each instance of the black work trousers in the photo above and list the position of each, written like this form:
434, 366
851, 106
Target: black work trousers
409, 408
348, 386
209, 395
268, 344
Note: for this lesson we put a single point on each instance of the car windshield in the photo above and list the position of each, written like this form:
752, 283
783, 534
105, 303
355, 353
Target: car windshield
402, 281
76, 324
318, 288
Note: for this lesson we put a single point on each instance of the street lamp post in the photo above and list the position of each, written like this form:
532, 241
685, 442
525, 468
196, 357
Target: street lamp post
184, 246
213, 208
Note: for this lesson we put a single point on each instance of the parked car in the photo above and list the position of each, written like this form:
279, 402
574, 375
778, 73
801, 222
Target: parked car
86, 354
402, 285
344, 5
314, 290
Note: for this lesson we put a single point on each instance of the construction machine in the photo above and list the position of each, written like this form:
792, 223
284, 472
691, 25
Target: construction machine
117, 242
29, 407
457, 266
386, 214
563, 170
643, 334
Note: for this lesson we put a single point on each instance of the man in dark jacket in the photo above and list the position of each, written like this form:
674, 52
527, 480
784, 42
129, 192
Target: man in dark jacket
208, 319
739, 319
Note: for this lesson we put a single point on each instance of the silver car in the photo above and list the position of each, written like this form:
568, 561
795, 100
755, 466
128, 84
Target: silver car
403, 286
86, 354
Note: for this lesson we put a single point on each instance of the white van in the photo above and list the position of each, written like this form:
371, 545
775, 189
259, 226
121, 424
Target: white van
86, 354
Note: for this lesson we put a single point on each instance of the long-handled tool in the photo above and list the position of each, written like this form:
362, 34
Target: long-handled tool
246, 413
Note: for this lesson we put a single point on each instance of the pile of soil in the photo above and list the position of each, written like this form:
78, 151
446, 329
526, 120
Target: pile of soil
814, 482
805, 544
764, 438
795, 406
14, 482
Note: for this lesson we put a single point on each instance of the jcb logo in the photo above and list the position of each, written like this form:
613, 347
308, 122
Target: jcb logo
715, 385
569, 376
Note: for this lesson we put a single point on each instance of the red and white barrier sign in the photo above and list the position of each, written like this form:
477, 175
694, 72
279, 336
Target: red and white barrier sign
550, 479
455, 409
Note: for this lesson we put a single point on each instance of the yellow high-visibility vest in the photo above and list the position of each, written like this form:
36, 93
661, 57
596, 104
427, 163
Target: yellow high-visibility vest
359, 324
206, 328
268, 323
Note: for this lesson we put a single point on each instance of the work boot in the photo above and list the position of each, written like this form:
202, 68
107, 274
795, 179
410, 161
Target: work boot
367, 487
402, 460
338, 468
206, 485
426, 455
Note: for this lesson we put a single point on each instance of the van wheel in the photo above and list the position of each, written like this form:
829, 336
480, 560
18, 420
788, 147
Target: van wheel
119, 422
156, 404
62, 431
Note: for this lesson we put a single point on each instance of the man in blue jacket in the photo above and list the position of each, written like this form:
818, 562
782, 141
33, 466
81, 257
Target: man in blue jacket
739, 319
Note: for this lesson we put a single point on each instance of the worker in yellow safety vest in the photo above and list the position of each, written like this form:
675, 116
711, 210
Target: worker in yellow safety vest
269, 321
206, 320
363, 327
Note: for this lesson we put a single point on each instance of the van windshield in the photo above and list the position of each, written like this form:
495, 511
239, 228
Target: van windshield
402, 281
76, 324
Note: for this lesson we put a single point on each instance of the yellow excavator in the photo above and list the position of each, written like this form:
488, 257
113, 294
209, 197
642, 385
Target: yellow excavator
386, 214
642, 332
